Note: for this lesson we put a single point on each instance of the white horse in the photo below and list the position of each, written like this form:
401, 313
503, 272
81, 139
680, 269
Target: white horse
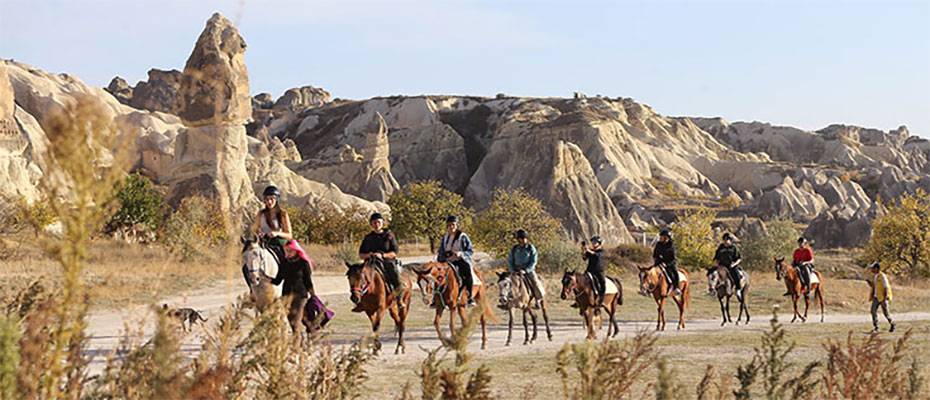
259, 267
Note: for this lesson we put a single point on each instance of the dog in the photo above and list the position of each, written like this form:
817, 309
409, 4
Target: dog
185, 315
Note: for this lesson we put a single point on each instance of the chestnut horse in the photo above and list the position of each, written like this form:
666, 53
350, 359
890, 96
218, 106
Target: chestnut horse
580, 287
796, 289
369, 293
652, 281
439, 287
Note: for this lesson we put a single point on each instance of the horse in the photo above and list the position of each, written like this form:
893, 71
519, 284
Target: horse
581, 287
515, 294
795, 288
369, 293
439, 287
720, 285
259, 267
652, 281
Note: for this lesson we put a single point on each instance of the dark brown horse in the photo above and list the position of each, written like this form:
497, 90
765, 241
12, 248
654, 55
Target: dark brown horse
796, 289
369, 293
580, 287
652, 281
440, 289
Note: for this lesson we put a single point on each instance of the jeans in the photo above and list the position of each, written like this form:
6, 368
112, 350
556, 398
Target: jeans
465, 273
884, 305
600, 283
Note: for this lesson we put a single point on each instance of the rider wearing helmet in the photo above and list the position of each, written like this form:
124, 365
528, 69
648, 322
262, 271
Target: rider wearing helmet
728, 256
803, 260
271, 224
663, 254
594, 255
522, 259
455, 248
380, 245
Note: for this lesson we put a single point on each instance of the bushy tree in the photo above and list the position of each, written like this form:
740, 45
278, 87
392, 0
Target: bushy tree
901, 238
328, 224
140, 203
511, 210
419, 209
779, 240
694, 237
197, 225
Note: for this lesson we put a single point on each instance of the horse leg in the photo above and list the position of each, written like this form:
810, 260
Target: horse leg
452, 322
681, 313
794, 301
807, 305
375, 328
484, 332
509, 326
436, 324
589, 323
723, 311
535, 327
399, 323
660, 325
613, 319
820, 300
526, 329
729, 317
545, 314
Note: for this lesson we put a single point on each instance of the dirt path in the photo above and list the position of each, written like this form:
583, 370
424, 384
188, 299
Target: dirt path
106, 327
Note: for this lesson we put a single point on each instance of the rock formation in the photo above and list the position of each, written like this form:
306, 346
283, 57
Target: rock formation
302, 98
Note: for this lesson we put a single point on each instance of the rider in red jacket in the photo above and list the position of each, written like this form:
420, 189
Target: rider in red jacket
803, 260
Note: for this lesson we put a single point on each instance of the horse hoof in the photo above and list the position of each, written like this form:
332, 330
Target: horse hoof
550, 336
507, 344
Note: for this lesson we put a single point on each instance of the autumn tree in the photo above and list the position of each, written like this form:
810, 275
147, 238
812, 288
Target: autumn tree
511, 210
694, 237
901, 238
419, 209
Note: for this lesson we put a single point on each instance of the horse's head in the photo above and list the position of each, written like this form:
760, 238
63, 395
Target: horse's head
505, 288
427, 280
359, 283
779, 267
569, 284
257, 262
648, 279
715, 280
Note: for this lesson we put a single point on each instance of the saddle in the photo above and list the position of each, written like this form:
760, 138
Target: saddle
378, 266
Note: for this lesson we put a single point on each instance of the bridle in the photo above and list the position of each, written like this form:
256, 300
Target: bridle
570, 283
363, 284
248, 264
780, 272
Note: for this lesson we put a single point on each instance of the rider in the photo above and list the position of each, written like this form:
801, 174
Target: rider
455, 248
728, 256
664, 256
522, 259
803, 260
594, 255
271, 224
380, 245
295, 272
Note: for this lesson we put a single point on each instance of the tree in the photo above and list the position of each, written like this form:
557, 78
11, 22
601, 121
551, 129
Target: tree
511, 210
694, 236
779, 240
901, 238
140, 203
419, 209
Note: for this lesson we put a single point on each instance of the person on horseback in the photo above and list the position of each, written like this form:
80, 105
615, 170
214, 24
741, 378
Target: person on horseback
728, 256
594, 255
880, 295
803, 260
456, 249
380, 247
663, 254
522, 260
271, 225
295, 273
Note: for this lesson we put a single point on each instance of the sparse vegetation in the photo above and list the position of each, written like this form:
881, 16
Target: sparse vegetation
779, 240
195, 229
328, 224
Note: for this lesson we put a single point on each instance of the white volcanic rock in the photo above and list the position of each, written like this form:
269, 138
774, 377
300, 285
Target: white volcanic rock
792, 201
843, 226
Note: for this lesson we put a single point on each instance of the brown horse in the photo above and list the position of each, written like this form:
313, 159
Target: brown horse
796, 289
580, 287
369, 293
652, 281
439, 286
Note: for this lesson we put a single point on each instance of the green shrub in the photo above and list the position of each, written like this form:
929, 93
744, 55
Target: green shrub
196, 226
626, 256
140, 204
558, 255
511, 210
901, 238
780, 239
329, 224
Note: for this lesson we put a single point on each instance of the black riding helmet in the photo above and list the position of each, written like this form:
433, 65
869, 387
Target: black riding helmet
271, 191
376, 216
520, 234
801, 240
452, 218
596, 239
665, 232
727, 236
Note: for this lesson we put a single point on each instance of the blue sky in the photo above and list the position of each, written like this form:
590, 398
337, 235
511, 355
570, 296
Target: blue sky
805, 64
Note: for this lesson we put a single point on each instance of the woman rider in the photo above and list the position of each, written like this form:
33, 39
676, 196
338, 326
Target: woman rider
594, 255
455, 248
803, 260
664, 256
271, 224
295, 273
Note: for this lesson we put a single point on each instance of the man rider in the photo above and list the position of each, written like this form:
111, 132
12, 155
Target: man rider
728, 256
663, 254
380, 246
455, 248
522, 259
594, 255
803, 260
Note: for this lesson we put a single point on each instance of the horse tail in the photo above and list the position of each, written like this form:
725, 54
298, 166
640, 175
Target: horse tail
619, 290
486, 311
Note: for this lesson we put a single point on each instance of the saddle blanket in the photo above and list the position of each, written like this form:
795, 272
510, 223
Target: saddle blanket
474, 277
814, 278
609, 288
